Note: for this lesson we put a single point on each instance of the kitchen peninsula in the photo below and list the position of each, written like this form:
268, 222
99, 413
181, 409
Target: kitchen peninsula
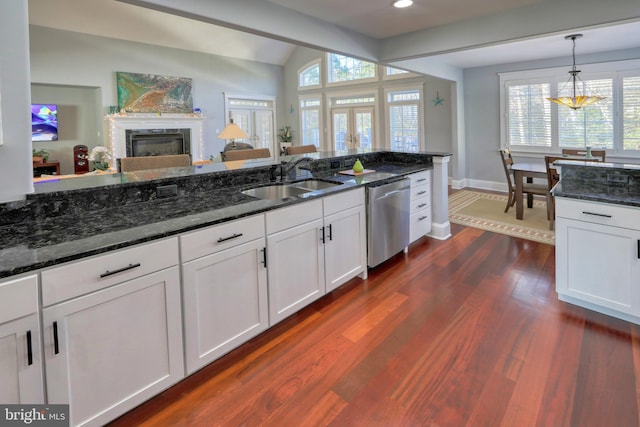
182, 257
598, 237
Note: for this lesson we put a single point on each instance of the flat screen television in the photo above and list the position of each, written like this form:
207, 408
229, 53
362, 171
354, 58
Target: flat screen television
44, 122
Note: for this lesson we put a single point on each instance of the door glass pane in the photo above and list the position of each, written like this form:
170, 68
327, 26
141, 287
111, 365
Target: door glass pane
311, 127
243, 119
364, 129
340, 130
263, 130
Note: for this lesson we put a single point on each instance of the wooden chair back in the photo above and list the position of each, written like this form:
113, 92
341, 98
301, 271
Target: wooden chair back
300, 149
132, 164
552, 172
601, 154
256, 153
507, 161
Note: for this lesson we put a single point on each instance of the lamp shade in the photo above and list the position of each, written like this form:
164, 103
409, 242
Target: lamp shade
232, 131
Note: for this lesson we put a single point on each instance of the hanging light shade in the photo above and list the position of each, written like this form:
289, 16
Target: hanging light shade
578, 99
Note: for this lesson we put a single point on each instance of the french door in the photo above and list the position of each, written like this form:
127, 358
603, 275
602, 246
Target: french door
258, 124
352, 128
255, 115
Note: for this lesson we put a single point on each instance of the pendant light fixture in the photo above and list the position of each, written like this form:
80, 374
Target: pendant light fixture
578, 99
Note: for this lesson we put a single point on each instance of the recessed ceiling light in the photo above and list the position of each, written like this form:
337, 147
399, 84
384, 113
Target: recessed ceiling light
402, 3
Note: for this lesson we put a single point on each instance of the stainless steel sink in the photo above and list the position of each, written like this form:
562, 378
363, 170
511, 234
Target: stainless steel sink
315, 184
276, 192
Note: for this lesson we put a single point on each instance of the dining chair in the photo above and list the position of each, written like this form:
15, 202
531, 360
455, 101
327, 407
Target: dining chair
553, 177
132, 164
601, 154
256, 153
300, 149
527, 188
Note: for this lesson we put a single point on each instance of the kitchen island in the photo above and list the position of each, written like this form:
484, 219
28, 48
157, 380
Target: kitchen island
598, 237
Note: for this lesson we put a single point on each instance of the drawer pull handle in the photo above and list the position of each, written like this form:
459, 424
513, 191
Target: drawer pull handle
422, 218
264, 257
56, 347
224, 239
422, 205
420, 193
421, 179
120, 270
596, 214
29, 349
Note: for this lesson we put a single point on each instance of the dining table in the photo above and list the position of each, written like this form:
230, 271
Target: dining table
522, 171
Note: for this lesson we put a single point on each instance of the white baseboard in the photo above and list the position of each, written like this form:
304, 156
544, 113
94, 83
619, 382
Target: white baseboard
440, 231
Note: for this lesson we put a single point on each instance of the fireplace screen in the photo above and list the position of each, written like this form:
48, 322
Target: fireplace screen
158, 142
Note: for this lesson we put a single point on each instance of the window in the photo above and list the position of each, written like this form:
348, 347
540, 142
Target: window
532, 123
403, 116
391, 73
309, 76
631, 113
254, 115
343, 69
529, 114
310, 119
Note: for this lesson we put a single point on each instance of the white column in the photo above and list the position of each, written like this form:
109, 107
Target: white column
440, 225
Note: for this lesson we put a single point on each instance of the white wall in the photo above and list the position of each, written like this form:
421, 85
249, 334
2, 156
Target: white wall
15, 153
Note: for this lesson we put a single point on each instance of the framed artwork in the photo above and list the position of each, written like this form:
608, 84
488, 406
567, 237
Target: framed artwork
149, 93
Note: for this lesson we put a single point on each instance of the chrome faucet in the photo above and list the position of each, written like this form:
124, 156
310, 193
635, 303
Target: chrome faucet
287, 168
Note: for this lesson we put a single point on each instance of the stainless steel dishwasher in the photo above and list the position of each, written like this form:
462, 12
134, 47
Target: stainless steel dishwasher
387, 220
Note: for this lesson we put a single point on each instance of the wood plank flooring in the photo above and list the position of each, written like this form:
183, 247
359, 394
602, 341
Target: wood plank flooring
462, 332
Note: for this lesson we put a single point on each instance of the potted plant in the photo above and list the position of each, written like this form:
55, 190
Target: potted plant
100, 156
285, 134
40, 156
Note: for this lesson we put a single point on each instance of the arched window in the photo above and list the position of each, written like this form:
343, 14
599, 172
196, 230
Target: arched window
309, 75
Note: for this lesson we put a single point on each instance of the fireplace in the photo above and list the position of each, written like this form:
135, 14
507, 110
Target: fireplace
157, 142
174, 133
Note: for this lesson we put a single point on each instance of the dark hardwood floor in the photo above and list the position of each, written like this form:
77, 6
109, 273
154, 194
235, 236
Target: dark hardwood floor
462, 332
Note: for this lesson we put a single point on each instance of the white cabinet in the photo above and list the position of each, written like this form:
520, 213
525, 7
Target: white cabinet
21, 379
108, 350
420, 213
345, 228
224, 288
598, 256
295, 258
312, 248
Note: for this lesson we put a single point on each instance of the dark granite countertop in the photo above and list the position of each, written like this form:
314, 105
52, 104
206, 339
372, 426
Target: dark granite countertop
615, 183
33, 243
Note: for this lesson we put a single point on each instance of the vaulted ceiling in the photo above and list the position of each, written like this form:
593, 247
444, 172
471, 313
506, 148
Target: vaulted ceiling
369, 21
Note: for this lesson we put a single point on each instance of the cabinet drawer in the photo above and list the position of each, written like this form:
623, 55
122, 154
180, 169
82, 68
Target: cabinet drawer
419, 224
213, 239
420, 178
18, 298
99, 272
420, 204
343, 201
281, 219
598, 213
419, 192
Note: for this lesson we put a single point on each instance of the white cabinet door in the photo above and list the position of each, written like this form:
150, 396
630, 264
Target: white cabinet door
225, 302
108, 351
21, 362
21, 379
345, 246
295, 261
598, 264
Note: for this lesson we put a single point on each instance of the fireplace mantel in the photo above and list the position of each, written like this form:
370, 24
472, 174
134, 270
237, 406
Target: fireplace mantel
118, 124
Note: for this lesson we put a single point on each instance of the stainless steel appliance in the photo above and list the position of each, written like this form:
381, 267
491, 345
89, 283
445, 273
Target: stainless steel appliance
387, 220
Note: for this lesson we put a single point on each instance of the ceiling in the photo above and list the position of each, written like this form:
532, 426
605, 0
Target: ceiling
372, 18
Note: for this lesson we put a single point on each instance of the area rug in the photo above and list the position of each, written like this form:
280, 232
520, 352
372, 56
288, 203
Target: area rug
486, 211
